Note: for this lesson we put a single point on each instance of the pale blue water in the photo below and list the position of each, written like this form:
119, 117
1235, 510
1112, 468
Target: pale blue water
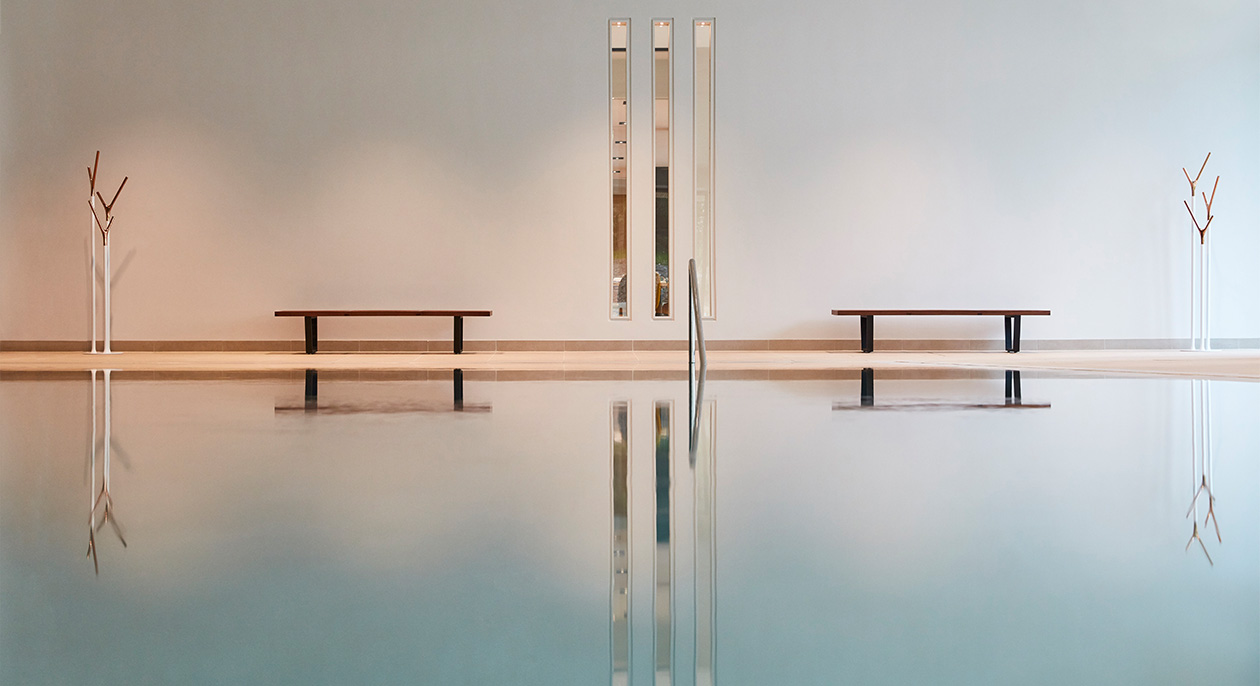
936, 536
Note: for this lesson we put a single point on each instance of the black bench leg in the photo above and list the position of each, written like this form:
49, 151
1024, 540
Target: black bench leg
312, 335
1012, 333
868, 333
868, 387
1014, 395
458, 378
312, 390
459, 335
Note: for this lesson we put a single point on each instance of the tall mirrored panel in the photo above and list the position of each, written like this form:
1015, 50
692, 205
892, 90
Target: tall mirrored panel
619, 138
702, 111
662, 153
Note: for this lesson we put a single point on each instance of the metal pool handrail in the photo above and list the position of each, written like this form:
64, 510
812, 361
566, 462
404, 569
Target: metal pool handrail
695, 382
695, 345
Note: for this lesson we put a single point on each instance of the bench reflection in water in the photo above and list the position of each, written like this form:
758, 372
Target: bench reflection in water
312, 405
1014, 399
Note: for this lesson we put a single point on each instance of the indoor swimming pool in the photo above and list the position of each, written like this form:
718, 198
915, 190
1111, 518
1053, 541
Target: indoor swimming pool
860, 527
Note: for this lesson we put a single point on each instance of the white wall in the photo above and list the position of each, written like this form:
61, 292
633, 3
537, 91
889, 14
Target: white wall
393, 154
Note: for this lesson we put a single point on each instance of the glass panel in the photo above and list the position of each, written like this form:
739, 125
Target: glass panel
662, 150
619, 137
703, 132
620, 609
663, 599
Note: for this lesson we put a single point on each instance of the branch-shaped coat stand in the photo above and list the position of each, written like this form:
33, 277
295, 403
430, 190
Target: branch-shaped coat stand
104, 230
1201, 462
101, 501
1200, 338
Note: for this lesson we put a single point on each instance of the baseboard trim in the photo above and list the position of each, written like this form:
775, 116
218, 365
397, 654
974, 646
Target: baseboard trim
828, 345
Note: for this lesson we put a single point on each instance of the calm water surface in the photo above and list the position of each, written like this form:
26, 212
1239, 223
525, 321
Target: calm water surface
898, 531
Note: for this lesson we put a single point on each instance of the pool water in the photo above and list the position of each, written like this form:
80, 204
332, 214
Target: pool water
930, 528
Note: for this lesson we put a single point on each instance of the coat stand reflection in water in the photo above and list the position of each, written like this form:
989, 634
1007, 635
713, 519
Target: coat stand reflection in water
101, 509
1201, 464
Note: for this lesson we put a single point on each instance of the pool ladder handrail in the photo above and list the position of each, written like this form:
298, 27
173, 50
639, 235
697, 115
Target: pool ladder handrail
695, 344
695, 348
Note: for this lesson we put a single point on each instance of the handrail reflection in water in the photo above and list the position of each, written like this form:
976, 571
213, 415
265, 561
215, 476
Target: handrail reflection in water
695, 343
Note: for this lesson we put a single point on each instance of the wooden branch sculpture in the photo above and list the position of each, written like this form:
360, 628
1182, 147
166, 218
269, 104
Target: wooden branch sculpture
1207, 202
103, 226
109, 208
1195, 182
92, 174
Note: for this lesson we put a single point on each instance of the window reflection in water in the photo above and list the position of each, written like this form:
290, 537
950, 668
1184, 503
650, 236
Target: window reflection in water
665, 621
705, 540
620, 543
664, 562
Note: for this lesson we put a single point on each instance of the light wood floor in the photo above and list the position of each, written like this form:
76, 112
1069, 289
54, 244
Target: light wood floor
1226, 364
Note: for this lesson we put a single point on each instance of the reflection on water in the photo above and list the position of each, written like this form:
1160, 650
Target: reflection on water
665, 625
664, 557
1014, 399
1201, 463
312, 405
620, 542
704, 460
101, 508
380, 547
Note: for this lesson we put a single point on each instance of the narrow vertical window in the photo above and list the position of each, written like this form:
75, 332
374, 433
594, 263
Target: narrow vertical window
620, 602
619, 137
662, 156
702, 110
663, 601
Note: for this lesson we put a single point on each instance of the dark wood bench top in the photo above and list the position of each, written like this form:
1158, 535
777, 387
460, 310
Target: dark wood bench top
1007, 313
383, 313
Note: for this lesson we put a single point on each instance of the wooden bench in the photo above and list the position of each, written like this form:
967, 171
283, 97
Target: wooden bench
1012, 321
312, 321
